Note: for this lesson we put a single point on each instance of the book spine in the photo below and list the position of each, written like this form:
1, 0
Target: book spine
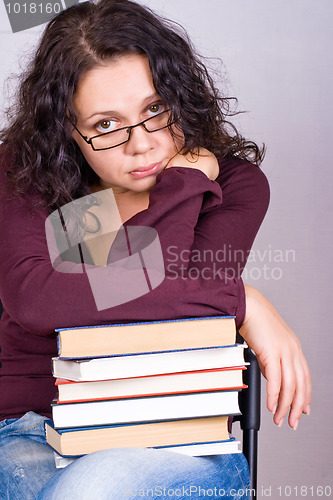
196, 318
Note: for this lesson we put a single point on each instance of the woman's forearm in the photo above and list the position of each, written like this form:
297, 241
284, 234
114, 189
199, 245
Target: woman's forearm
280, 358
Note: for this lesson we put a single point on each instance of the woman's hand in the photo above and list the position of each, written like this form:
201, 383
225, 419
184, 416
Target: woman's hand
202, 160
280, 359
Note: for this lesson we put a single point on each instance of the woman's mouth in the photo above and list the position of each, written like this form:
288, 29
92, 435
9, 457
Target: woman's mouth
141, 172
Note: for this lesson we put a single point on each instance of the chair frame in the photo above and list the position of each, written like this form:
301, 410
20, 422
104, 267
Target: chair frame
249, 403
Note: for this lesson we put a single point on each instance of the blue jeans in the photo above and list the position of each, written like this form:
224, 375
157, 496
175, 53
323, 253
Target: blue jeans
27, 470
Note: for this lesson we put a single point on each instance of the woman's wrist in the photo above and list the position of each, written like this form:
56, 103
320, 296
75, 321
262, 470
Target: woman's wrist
253, 299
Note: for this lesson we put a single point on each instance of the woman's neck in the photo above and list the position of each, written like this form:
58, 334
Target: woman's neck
130, 203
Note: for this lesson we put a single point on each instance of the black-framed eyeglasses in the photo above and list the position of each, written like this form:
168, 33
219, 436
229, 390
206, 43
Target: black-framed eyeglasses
122, 135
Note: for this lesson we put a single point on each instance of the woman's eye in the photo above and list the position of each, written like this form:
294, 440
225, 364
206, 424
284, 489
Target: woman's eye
155, 109
106, 126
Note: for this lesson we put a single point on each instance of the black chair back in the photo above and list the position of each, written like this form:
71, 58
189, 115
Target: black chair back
249, 402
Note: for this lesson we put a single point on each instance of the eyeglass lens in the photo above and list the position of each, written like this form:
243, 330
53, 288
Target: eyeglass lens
117, 137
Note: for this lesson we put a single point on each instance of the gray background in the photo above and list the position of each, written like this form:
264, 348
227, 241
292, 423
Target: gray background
277, 59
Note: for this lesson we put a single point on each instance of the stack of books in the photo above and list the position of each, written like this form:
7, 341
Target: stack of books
164, 384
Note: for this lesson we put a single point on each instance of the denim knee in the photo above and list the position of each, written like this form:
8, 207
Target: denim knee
26, 461
28, 470
126, 473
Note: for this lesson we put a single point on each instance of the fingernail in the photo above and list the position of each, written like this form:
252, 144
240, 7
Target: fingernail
274, 409
308, 410
296, 425
280, 423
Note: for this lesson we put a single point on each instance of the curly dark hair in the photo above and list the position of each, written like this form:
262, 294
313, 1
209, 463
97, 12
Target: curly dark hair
45, 157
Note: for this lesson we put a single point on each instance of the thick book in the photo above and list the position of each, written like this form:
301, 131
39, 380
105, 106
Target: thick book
152, 336
170, 383
115, 367
81, 441
192, 449
143, 409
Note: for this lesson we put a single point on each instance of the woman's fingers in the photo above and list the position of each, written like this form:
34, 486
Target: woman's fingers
308, 387
272, 373
288, 388
291, 393
302, 398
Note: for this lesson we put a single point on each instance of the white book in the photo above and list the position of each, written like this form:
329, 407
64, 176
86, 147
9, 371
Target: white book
202, 449
138, 365
143, 409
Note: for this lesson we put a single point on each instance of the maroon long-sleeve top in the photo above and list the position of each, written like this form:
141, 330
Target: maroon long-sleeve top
215, 222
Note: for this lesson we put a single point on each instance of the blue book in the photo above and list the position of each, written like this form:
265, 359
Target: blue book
176, 433
146, 337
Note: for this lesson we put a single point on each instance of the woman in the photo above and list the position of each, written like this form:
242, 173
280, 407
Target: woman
116, 98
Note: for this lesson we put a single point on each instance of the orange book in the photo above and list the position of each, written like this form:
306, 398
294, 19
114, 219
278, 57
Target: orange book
80, 441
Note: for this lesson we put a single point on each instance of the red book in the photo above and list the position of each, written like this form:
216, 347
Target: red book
152, 385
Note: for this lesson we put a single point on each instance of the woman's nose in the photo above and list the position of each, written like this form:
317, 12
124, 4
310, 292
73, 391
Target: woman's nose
140, 141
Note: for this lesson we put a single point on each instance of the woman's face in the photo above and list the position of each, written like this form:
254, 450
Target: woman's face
118, 94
